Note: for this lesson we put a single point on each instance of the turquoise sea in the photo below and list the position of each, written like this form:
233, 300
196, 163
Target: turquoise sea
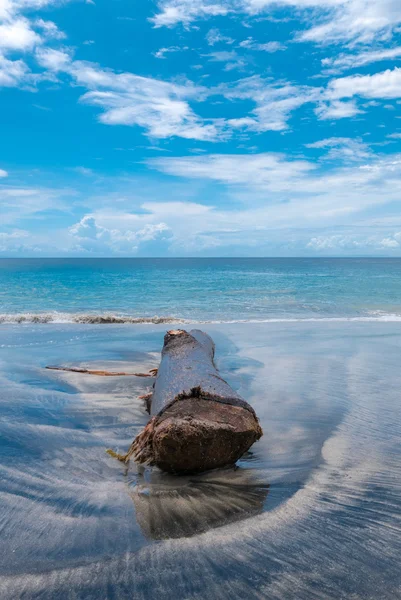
218, 290
311, 512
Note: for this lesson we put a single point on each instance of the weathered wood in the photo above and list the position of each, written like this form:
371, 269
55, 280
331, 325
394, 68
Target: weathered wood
152, 372
198, 421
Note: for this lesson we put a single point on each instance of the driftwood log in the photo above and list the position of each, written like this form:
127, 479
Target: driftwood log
197, 420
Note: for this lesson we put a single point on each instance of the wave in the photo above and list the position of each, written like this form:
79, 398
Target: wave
85, 318
110, 318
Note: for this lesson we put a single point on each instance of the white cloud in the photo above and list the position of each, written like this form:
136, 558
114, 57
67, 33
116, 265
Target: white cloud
231, 58
3, 173
83, 171
361, 243
221, 56
86, 228
269, 171
389, 243
275, 102
18, 35
161, 53
352, 61
256, 204
330, 20
186, 11
293, 193
333, 242
95, 237
386, 84
49, 29
346, 149
11, 242
214, 36
337, 110
162, 108
359, 21
269, 47
53, 60
16, 233
14, 73
19, 202
126, 99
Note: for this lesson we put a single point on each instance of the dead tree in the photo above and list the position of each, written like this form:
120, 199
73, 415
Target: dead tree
197, 420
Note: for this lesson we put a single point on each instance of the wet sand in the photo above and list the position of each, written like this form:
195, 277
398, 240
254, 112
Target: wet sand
313, 511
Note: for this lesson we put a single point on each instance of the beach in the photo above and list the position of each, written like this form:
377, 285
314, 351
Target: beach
312, 511
200, 300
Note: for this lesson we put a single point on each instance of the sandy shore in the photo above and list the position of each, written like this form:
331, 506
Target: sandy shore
313, 511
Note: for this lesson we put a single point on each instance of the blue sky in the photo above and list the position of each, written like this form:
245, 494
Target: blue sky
200, 128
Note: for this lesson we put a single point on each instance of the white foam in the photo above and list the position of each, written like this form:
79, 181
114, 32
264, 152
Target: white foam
112, 318
85, 318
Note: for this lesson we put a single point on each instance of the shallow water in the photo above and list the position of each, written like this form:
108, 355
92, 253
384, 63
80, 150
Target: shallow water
313, 511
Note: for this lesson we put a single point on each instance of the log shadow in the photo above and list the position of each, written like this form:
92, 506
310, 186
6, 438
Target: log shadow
169, 506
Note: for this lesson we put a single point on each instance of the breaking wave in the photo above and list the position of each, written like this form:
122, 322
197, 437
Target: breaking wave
111, 318
59, 317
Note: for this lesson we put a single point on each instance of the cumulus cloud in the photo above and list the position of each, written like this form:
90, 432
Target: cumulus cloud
389, 243
386, 84
339, 98
13, 241
333, 242
93, 236
3, 173
85, 228
18, 33
361, 243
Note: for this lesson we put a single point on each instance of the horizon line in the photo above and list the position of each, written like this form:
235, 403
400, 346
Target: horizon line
196, 257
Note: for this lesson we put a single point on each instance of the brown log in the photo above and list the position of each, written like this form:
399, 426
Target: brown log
197, 420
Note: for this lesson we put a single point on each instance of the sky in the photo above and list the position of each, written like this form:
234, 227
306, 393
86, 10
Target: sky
200, 128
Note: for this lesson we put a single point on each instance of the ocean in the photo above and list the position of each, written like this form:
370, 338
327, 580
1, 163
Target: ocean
203, 290
312, 511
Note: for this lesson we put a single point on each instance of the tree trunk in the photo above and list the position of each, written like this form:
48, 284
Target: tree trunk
198, 421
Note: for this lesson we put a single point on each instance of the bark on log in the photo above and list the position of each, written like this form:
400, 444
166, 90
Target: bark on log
198, 421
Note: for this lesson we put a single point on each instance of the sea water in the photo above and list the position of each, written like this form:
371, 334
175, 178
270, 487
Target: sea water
223, 289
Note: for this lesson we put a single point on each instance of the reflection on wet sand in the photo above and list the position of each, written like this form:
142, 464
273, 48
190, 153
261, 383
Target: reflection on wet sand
173, 507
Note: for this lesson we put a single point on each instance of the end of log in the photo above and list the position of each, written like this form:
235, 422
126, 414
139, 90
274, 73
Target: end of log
213, 436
